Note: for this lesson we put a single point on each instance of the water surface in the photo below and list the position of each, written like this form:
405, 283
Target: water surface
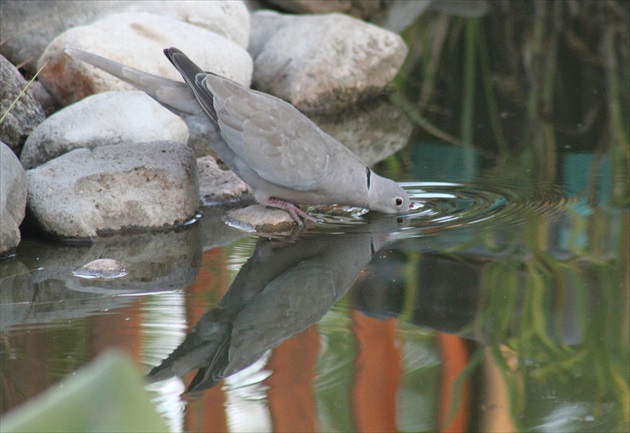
488, 303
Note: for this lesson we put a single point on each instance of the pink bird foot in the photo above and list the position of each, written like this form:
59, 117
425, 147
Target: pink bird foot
296, 213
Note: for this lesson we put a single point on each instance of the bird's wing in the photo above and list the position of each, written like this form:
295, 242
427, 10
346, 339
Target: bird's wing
272, 137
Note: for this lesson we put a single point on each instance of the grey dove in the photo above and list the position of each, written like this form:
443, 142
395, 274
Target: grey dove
280, 153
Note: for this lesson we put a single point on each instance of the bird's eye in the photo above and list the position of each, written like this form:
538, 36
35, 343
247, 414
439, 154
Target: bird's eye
398, 201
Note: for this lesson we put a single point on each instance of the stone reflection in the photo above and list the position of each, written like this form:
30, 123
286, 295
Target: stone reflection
39, 284
373, 130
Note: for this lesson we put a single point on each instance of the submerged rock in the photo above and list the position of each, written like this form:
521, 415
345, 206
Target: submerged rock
24, 115
87, 193
322, 62
107, 118
101, 269
136, 40
12, 198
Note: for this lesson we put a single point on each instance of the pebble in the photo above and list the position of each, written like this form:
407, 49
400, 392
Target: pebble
258, 218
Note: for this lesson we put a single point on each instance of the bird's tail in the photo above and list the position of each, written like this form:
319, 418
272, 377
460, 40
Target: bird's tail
174, 95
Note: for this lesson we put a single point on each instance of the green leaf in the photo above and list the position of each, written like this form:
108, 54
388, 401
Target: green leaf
105, 396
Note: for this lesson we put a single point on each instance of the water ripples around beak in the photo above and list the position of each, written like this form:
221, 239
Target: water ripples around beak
448, 205
437, 207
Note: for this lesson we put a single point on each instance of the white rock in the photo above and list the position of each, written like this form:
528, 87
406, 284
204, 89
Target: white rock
12, 198
229, 19
89, 192
136, 40
29, 26
322, 62
102, 119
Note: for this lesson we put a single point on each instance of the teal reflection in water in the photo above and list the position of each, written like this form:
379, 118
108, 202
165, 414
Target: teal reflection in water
587, 175
445, 162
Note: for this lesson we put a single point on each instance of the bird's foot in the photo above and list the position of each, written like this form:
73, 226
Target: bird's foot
296, 213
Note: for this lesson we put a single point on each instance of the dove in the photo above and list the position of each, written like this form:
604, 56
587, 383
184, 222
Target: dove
283, 156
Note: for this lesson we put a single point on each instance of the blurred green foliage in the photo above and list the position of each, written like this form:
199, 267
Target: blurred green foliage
105, 396
526, 81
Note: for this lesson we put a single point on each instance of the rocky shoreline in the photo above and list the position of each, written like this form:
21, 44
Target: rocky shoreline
97, 157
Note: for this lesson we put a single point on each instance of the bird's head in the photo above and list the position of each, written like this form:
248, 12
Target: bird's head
385, 195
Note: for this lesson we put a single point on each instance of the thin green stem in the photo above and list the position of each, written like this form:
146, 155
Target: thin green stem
470, 76
21, 93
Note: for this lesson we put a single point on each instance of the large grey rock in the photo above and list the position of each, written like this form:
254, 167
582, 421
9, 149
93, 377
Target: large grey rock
25, 114
136, 40
12, 198
90, 192
29, 26
322, 62
103, 119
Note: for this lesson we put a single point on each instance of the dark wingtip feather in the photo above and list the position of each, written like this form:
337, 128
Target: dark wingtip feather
170, 53
182, 62
190, 72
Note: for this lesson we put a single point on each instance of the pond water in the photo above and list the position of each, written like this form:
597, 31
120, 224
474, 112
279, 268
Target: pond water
501, 302
489, 307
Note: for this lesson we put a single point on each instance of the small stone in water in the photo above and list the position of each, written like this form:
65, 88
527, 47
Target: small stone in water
257, 218
104, 269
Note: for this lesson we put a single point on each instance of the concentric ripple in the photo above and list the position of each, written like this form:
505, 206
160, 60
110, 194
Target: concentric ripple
460, 204
437, 206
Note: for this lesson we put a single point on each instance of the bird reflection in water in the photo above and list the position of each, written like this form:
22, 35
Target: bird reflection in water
286, 286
